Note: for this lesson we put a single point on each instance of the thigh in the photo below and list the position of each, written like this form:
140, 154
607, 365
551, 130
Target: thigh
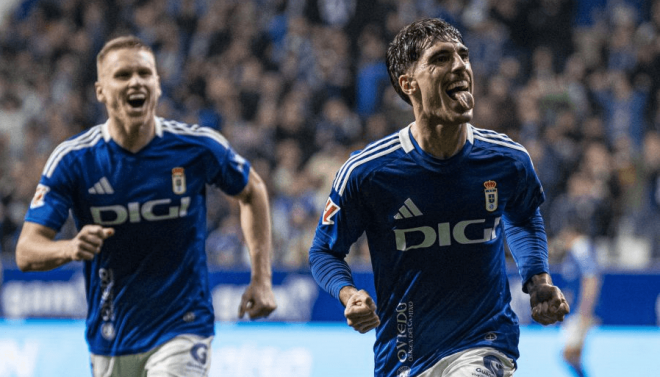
102, 366
183, 356
475, 362
118, 366
481, 362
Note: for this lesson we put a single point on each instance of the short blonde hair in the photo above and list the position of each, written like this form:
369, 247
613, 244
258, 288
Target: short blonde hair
127, 41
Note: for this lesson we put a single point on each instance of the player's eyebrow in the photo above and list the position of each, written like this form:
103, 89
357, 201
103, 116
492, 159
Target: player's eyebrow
447, 50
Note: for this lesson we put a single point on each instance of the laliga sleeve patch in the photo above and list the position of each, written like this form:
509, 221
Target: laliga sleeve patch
329, 212
39, 196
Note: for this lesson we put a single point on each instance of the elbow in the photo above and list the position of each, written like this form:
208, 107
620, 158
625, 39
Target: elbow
22, 261
255, 190
22, 264
34, 251
313, 256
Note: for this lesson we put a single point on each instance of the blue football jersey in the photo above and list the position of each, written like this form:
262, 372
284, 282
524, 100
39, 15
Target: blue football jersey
579, 262
149, 283
435, 230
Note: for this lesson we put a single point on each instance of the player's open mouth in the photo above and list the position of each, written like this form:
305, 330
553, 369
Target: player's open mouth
456, 87
136, 100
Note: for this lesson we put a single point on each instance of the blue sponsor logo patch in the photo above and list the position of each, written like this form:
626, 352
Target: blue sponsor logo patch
493, 364
199, 352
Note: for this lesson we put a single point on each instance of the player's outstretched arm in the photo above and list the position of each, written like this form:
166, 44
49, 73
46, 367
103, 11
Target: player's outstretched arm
547, 301
360, 309
38, 251
258, 299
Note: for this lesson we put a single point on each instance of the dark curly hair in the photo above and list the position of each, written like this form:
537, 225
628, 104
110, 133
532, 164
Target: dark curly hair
410, 43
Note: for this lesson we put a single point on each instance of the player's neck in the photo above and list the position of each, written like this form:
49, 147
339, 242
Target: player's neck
132, 137
439, 140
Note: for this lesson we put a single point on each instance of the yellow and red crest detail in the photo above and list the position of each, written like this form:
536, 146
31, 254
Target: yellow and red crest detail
178, 181
491, 195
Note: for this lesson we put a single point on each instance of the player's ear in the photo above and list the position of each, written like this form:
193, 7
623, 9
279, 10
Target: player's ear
159, 91
100, 96
408, 84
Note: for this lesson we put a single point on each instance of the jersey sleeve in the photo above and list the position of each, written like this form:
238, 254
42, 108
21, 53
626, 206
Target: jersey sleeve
528, 195
523, 223
53, 197
227, 170
340, 225
529, 246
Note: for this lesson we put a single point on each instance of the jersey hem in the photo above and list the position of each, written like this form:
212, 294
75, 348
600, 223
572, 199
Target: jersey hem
161, 341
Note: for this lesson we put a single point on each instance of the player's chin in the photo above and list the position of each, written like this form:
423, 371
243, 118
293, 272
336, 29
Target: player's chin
457, 117
457, 113
135, 112
464, 117
137, 117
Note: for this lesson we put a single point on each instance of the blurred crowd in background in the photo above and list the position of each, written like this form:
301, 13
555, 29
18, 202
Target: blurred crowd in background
297, 85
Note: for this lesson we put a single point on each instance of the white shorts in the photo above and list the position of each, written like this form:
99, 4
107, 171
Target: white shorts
474, 362
183, 356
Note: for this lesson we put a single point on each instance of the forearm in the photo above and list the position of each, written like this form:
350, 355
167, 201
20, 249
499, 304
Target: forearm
255, 223
529, 247
330, 271
36, 251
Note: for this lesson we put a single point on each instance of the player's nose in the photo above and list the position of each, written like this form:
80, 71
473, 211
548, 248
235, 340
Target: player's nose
458, 63
135, 80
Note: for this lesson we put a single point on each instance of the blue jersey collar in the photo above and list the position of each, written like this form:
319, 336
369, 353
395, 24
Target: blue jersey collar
412, 148
105, 129
405, 136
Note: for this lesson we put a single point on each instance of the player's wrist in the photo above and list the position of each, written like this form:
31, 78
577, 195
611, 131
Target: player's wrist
345, 293
68, 252
538, 281
265, 280
261, 272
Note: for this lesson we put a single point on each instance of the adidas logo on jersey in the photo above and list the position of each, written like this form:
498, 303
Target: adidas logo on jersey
407, 210
101, 187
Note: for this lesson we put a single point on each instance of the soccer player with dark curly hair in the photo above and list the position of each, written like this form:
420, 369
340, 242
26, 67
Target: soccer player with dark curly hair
436, 200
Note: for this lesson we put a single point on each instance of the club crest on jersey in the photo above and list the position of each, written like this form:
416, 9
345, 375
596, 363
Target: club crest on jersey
178, 181
39, 196
330, 210
108, 331
491, 195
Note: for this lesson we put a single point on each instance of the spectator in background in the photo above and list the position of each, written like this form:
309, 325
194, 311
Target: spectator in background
648, 220
623, 107
337, 123
371, 77
12, 120
598, 165
2, 228
622, 51
572, 82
